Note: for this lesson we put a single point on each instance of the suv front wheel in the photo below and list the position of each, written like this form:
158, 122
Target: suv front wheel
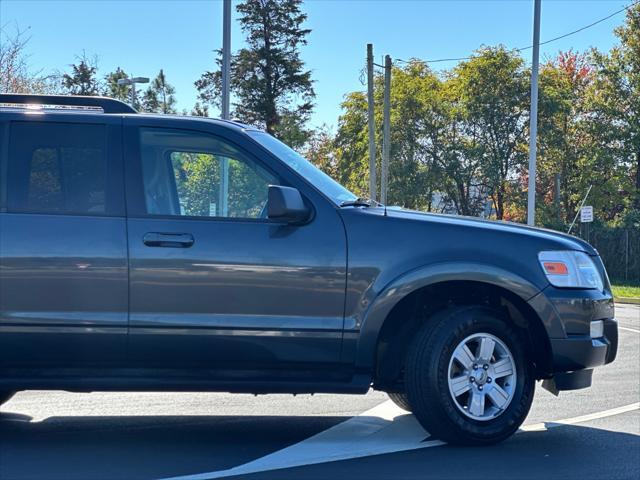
468, 376
400, 399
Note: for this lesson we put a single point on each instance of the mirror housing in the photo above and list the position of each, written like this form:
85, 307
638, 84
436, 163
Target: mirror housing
286, 204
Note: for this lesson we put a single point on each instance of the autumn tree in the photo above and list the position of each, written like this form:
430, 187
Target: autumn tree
564, 143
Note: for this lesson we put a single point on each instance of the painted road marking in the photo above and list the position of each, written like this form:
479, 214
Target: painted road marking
380, 430
537, 427
629, 329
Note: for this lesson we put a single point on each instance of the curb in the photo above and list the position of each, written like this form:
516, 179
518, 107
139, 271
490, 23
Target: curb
627, 300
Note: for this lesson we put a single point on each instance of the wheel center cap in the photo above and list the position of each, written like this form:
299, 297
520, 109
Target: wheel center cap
481, 377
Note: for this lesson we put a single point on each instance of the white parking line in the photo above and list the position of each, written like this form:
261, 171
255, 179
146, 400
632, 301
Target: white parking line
628, 329
537, 427
383, 429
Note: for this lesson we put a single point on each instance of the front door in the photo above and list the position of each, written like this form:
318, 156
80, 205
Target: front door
214, 283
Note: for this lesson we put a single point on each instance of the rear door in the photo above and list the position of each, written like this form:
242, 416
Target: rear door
63, 247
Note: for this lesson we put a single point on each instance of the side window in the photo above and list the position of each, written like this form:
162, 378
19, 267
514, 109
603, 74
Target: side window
58, 168
194, 174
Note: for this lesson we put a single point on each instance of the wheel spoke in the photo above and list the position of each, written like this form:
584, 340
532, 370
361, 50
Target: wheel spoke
481, 376
464, 356
477, 404
485, 351
459, 385
498, 396
502, 368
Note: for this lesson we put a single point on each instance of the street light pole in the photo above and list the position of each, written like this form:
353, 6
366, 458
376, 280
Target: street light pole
133, 94
226, 74
533, 116
132, 82
226, 57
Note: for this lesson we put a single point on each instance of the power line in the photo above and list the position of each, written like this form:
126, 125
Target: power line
522, 49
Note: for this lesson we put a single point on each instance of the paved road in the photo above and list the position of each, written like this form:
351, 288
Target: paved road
57, 435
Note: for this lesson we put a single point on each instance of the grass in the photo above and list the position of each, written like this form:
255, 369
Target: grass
629, 290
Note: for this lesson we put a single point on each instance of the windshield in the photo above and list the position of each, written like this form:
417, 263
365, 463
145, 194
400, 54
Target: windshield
323, 182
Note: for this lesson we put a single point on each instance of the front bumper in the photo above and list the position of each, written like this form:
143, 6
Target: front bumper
577, 352
567, 316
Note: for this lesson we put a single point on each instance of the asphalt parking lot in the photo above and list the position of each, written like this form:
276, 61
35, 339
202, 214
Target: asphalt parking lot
587, 434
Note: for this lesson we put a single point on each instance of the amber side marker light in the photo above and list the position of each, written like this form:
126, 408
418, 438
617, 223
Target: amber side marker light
555, 268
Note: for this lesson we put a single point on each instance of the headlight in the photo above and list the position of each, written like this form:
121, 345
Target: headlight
570, 269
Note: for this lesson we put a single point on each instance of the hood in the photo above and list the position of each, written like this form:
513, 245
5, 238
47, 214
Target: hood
546, 236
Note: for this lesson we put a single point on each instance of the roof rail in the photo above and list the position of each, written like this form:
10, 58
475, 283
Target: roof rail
108, 105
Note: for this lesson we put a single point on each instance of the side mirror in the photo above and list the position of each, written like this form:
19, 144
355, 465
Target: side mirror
286, 204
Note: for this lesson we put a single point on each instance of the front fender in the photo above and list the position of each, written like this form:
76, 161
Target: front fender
424, 276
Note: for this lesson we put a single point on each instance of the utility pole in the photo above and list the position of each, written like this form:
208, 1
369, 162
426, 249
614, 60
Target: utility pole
372, 124
386, 130
226, 74
533, 116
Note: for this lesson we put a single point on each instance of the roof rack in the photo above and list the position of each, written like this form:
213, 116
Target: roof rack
108, 105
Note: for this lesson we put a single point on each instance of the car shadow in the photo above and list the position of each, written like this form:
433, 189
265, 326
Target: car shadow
131, 447
564, 453
105, 447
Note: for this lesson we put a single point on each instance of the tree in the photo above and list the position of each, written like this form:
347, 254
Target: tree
160, 96
271, 86
615, 118
16, 75
415, 119
113, 90
82, 79
566, 147
320, 150
199, 110
493, 90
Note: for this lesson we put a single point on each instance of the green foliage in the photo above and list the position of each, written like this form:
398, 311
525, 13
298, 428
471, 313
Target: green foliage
160, 96
271, 87
199, 110
457, 137
113, 90
198, 179
460, 137
83, 79
492, 91
627, 291
615, 100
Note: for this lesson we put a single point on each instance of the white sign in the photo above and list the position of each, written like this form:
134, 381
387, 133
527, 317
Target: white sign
586, 214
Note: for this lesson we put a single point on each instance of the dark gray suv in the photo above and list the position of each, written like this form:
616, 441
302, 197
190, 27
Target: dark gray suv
152, 252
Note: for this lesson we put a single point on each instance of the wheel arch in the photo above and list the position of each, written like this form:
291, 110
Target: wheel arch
385, 324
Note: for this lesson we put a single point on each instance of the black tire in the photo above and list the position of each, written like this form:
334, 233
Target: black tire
5, 396
400, 399
427, 373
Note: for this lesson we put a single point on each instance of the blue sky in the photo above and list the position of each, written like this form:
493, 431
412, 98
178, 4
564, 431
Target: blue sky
180, 36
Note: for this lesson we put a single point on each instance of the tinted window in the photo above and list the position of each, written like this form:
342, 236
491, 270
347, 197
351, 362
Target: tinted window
57, 168
193, 174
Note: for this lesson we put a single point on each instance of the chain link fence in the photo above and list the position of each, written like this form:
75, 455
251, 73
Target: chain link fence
619, 249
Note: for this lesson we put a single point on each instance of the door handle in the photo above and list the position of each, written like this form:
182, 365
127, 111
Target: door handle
168, 240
